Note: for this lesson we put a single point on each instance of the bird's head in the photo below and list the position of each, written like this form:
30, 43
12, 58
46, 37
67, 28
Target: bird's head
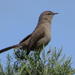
47, 16
49, 13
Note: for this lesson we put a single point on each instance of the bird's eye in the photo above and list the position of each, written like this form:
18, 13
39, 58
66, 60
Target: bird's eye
48, 13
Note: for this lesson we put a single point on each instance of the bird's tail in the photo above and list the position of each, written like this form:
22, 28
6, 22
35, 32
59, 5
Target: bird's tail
10, 47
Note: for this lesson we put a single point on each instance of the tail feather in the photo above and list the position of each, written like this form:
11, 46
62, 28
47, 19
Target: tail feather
8, 48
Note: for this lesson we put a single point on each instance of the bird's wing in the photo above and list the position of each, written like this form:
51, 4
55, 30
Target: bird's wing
36, 35
25, 38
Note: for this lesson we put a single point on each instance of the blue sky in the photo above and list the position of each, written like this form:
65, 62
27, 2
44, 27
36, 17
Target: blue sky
18, 18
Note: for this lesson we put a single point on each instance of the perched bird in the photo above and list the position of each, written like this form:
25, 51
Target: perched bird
39, 37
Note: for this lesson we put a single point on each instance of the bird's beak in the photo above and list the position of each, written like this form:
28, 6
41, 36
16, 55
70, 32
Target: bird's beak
55, 13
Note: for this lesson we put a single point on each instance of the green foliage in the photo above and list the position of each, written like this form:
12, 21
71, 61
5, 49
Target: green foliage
47, 63
8, 70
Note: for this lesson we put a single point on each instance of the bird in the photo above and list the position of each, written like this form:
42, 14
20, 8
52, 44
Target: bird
40, 36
